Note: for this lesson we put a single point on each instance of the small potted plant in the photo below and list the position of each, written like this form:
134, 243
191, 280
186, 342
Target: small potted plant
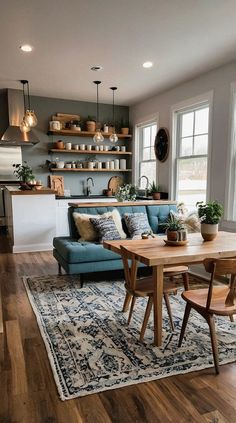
124, 127
154, 190
209, 214
173, 225
24, 173
90, 124
126, 192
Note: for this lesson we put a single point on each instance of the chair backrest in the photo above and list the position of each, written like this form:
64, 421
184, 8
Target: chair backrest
221, 267
130, 267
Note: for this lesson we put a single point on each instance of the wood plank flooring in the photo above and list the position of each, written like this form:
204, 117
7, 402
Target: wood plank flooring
27, 390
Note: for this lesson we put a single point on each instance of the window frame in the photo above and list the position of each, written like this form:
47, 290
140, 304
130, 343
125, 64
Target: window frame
152, 120
230, 200
177, 109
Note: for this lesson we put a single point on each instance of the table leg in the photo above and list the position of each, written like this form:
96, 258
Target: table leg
157, 303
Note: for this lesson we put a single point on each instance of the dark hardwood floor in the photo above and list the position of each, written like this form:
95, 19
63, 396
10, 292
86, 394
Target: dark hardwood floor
27, 390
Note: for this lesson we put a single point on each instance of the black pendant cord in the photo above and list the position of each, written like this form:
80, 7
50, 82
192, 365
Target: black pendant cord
97, 83
113, 104
24, 98
97, 106
29, 108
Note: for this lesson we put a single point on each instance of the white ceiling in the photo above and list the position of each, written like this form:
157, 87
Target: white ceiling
183, 38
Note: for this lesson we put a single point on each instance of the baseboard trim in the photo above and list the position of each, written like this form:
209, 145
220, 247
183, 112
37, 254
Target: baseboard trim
30, 248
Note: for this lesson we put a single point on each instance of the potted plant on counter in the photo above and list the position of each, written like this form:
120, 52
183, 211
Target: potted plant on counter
209, 214
24, 173
90, 124
126, 192
154, 190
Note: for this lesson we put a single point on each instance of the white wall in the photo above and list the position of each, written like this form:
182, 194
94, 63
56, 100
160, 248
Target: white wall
219, 81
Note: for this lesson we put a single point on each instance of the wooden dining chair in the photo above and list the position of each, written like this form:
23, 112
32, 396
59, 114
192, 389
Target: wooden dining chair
144, 287
219, 300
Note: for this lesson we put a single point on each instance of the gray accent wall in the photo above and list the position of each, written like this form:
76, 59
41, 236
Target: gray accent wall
37, 155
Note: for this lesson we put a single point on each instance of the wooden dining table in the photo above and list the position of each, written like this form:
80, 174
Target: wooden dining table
155, 253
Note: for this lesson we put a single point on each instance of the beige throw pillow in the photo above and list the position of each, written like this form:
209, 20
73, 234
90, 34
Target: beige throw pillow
86, 229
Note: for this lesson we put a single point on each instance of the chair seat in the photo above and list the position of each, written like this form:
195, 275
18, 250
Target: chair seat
175, 270
145, 286
198, 298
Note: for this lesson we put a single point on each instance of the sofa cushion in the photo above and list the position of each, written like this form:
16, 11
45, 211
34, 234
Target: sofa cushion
101, 210
106, 228
137, 223
158, 214
73, 251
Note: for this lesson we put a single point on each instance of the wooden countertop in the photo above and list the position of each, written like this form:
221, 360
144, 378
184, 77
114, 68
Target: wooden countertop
13, 190
124, 203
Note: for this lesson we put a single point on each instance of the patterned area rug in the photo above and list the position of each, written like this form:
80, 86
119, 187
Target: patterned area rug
91, 348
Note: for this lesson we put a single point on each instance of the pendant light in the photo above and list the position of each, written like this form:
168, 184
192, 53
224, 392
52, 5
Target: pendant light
113, 137
30, 116
24, 126
98, 137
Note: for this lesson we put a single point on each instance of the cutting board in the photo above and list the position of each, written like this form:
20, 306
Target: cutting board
57, 183
114, 183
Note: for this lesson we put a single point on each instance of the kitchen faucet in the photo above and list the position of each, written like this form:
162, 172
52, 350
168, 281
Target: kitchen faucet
88, 188
147, 184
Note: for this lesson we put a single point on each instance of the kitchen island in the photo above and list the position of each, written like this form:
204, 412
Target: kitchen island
34, 218
30, 218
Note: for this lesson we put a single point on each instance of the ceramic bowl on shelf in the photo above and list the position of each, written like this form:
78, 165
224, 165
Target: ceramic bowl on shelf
60, 164
38, 187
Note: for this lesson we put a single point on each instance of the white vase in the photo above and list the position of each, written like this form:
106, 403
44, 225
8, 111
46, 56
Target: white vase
209, 231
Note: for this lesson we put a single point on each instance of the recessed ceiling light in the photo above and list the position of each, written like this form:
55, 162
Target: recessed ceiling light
147, 65
96, 68
26, 48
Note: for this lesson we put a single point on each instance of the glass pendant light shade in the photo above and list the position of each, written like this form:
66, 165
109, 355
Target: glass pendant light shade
24, 126
30, 118
98, 137
113, 137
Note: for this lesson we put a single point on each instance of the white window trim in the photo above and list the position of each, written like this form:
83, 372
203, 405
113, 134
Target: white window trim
230, 192
180, 107
136, 146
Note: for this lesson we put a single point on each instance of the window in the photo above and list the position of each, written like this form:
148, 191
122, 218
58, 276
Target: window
191, 154
147, 159
231, 193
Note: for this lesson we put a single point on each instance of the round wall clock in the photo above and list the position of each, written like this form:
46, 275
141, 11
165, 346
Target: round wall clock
161, 145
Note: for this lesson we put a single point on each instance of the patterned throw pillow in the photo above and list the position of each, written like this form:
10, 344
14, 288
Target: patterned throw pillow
106, 228
86, 229
137, 223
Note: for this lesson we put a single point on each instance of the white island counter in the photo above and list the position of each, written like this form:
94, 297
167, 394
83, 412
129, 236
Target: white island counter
30, 218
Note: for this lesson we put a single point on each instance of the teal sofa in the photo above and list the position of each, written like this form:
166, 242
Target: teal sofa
79, 257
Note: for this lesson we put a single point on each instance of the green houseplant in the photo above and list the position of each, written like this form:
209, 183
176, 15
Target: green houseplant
173, 225
154, 190
23, 172
209, 214
126, 192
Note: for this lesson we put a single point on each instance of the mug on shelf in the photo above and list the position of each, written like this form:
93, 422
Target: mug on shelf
82, 147
96, 147
106, 147
68, 146
76, 146
123, 148
89, 147
101, 147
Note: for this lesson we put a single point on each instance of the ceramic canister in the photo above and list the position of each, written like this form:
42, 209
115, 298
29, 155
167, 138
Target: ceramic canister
117, 164
123, 164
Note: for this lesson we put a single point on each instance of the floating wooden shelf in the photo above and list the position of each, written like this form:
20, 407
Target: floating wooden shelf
70, 132
55, 169
121, 153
